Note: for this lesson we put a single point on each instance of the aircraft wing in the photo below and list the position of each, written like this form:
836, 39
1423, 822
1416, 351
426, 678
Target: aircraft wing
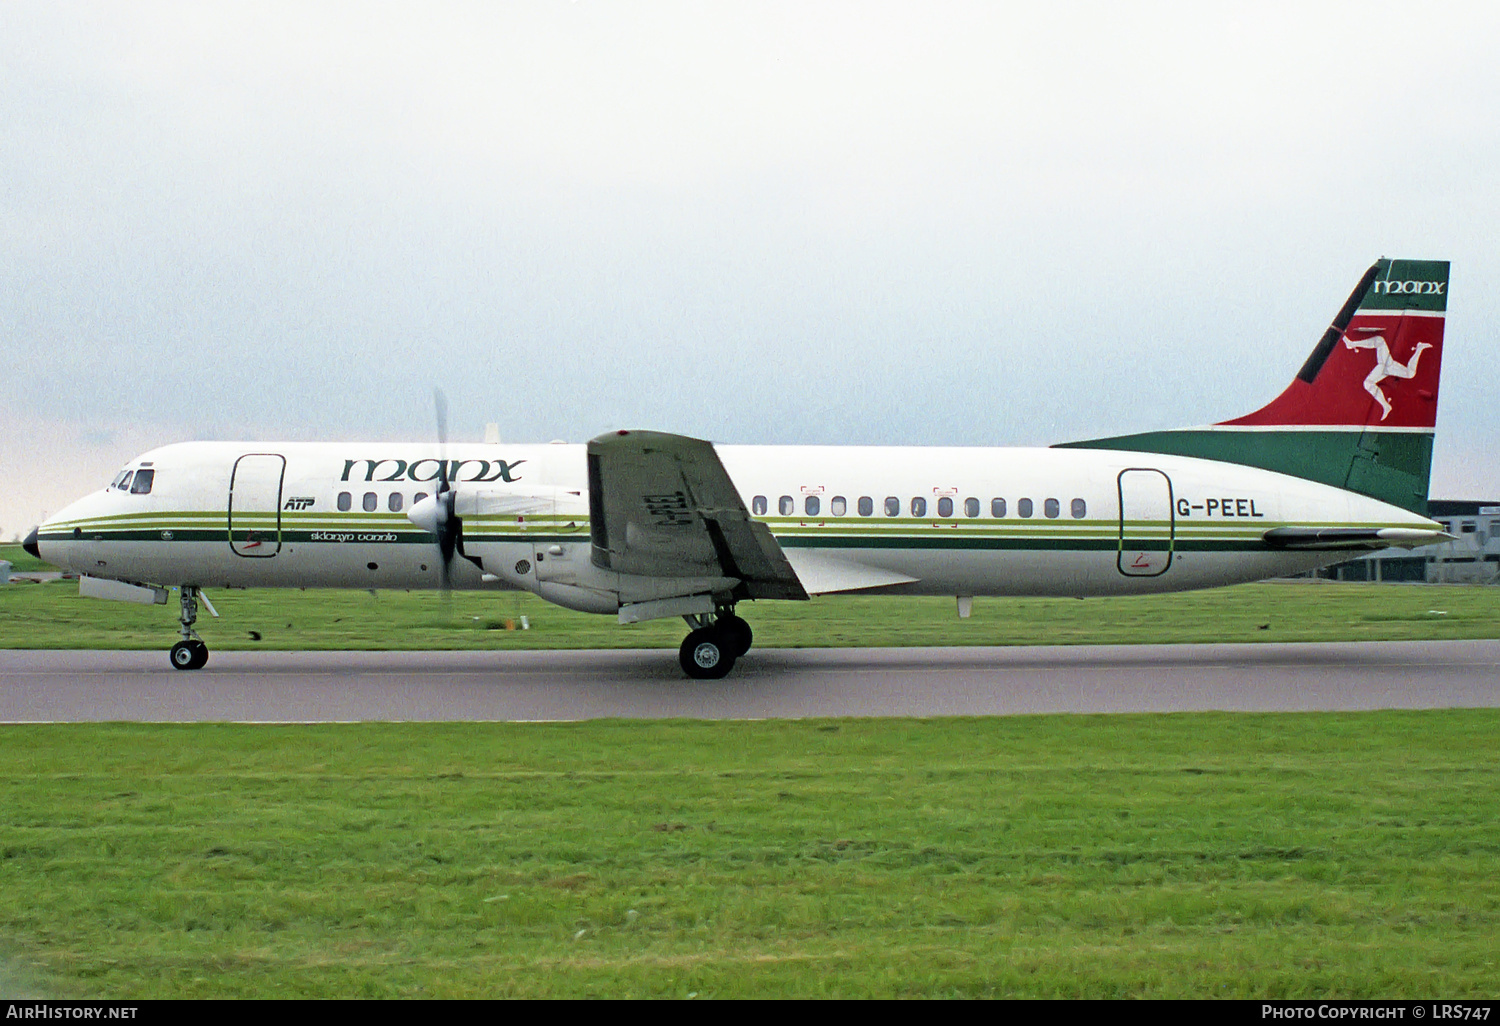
663, 505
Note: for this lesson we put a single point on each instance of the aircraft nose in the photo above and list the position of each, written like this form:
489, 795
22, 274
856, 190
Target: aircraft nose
30, 544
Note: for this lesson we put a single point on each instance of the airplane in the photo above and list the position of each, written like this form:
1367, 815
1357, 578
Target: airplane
643, 525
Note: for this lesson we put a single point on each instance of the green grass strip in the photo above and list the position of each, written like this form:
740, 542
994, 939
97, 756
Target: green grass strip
53, 615
1289, 855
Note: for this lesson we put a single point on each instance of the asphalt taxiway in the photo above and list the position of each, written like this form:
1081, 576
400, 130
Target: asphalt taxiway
768, 683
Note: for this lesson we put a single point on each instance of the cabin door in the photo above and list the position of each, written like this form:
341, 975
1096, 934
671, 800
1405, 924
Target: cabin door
1147, 523
255, 505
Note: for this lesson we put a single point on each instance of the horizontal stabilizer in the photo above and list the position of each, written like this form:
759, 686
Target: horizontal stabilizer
1323, 538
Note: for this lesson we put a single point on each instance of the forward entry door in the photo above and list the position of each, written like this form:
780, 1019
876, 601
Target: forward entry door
1147, 523
255, 505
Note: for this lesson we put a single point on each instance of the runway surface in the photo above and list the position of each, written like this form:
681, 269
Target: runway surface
768, 683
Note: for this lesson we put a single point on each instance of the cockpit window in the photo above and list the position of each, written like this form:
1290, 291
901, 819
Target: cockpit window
143, 481
123, 481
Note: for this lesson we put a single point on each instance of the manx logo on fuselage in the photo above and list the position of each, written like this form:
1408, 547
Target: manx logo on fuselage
430, 469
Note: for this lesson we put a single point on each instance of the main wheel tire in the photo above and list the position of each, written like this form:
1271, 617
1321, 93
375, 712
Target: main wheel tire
737, 634
200, 655
705, 655
183, 656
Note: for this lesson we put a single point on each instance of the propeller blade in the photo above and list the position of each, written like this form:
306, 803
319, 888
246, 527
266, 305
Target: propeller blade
442, 515
448, 523
435, 514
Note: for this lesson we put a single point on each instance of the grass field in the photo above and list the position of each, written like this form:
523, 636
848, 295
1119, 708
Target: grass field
1293, 855
53, 615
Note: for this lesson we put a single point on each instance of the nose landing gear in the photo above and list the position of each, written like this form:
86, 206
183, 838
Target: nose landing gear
190, 653
709, 651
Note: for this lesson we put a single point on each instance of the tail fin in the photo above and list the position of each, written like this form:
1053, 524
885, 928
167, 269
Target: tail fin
1361, 411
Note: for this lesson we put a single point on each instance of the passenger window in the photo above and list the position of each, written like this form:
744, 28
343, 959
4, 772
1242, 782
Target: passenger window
124, 481
811, 504
786, 505
418, 498
143, 480
867, 507
758, 505
370, 502
1023, 507
997, 508
971, 507
838, 506
919, 507
394, 502
345, 501
945, 507
1051, 507
892, 506
1080, 509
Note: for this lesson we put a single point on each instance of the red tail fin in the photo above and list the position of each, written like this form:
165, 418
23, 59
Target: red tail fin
1360, 413
1377, 365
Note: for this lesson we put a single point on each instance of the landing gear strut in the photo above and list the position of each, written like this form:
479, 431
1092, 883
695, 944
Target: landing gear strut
190, 653
709, 651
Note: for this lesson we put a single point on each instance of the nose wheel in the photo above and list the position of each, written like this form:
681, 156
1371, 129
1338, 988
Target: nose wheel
709, 651
190, 653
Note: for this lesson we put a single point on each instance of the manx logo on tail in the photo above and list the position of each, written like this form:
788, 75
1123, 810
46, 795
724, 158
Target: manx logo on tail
1409, 288
1408, 285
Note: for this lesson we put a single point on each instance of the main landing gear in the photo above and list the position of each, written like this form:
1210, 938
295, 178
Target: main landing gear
709, 652
190, 653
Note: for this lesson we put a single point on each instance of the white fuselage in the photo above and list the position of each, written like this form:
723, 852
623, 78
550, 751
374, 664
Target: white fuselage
930, 521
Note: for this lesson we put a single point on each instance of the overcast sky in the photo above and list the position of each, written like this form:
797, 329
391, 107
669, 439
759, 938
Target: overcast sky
979, 224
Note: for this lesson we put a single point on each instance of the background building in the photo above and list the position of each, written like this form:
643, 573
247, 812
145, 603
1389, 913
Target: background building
1473, 557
